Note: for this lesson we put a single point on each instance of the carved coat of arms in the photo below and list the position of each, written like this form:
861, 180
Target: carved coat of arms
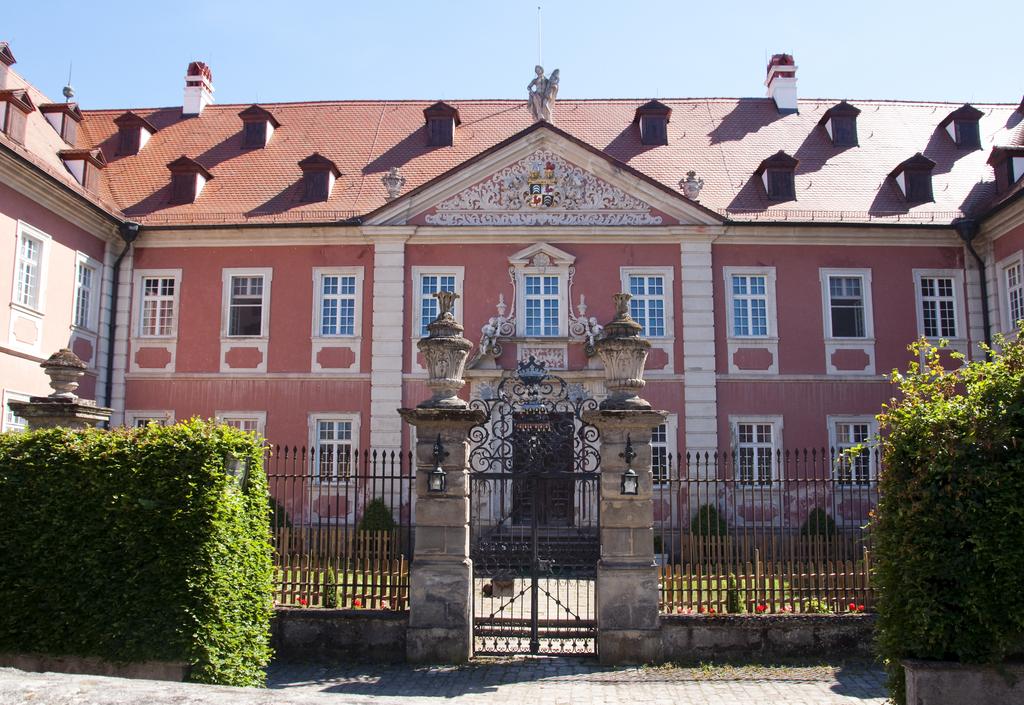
541, 186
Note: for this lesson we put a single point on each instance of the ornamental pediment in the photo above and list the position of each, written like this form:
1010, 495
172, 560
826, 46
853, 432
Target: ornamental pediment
543, 188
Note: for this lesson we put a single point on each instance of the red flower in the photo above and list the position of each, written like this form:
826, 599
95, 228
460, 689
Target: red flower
852, 607
303, 601
711, 610
860, 608
357, 602
761, 608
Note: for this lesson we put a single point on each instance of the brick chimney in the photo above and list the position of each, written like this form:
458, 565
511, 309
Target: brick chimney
198, 88
781, 82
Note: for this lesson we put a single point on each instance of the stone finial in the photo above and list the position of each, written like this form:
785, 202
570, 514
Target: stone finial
691, 185
624, 354
393, 182
445, 352
62, 407
64, 369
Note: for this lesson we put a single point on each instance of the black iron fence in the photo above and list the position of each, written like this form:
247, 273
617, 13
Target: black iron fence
342, 526
765, 531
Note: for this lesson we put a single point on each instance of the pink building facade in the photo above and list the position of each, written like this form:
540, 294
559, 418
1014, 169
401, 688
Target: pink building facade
286, 254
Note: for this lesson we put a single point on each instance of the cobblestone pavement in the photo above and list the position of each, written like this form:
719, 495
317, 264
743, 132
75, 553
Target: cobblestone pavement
560, 681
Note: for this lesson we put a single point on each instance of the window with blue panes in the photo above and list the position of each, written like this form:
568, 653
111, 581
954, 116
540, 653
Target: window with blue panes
542, 301
337, 304
749, 305
429, 285
647, 307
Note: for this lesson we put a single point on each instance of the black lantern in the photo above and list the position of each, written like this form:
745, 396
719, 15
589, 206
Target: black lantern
630, 480
437, 481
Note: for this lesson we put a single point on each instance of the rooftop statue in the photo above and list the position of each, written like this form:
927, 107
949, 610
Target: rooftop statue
541, 94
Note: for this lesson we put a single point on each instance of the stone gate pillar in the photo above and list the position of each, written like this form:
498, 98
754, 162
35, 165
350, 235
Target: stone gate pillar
441, 580
627, 577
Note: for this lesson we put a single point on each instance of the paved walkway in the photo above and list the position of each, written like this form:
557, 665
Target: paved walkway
537, 681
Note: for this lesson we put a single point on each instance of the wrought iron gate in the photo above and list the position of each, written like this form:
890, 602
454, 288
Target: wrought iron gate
534, 516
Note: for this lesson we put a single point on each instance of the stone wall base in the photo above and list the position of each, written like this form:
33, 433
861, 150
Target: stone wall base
949, 683
94, 666
628, 646
437, 645
339, 636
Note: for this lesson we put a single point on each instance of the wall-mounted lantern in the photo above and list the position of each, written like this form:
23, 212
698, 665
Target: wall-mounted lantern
437, 481
630, 480
237, 468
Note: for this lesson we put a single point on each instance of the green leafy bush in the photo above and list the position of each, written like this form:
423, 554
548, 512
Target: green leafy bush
377, 517
708, 522
949, 528
818, 523
733, 596
135, 545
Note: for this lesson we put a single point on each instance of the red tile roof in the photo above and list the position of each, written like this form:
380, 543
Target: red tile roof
722, 139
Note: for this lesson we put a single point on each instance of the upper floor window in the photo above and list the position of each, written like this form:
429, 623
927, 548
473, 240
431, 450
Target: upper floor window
756, 447
647, 307
337, 304
847, 304
1014, 283
245, 306
429, 285
28, 269
749, 305
542, 296
937, 300
86, 293
157, 312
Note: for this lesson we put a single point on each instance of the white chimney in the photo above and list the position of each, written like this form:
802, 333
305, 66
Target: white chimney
198, 88
6, 59
781, 82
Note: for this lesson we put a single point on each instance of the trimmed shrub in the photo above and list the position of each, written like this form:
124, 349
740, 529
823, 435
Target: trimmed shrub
818, 523
733, 596
377, 517
708, 522
949, 528
136, 545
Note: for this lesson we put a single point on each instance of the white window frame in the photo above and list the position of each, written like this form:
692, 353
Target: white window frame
670, 444
559, 298
314, 419
826, 302
227, 274
260, 417
418, 296
775, 421
957, 278
553, 262
667, 297
95, 293
140, 276
165, 417
834, 445
7, 419
318, 298
770, 304
1009, 326
38, 305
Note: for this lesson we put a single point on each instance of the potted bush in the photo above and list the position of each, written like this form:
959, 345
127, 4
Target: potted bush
949, 531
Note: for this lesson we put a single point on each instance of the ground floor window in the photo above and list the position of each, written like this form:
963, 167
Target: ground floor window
334, 440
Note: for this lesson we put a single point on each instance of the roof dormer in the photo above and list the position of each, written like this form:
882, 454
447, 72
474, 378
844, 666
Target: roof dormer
914, 178
15, 106
653, 117
442, 119
84, 165
133, 132
6, 59
1008, 164
778, 174
318, 176
64, 118
188, 177
258, 125
840, 122
962, 126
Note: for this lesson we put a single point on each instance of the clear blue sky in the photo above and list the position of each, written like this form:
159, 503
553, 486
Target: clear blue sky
134, 54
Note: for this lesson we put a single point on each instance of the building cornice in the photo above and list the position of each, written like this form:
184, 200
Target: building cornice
1004, 220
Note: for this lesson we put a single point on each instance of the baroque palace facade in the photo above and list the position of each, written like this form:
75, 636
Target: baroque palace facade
273, 265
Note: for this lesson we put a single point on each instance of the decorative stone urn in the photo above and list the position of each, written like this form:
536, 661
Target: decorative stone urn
62, 407
445, 352
624, 354
64, 369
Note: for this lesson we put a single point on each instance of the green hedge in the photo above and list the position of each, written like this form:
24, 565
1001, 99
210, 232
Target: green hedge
133, 545
949, 530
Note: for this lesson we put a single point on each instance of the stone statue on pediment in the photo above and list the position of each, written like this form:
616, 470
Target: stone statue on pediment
541, 93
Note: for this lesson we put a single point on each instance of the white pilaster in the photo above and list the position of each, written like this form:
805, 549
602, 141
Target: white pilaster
386, 348
975, 327
121, 328
699, 370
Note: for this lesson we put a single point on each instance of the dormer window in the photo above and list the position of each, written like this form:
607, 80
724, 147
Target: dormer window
653, 118
777, 173
6, 55
442, 119
84, 165
64, 117
188, 177
133, 132
914, 178
1008, 164
318, 176
15, 106
258, 125
840, 122
962, 126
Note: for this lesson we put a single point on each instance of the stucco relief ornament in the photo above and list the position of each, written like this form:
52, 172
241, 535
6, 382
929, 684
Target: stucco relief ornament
586, 328
496, 328
445, 352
